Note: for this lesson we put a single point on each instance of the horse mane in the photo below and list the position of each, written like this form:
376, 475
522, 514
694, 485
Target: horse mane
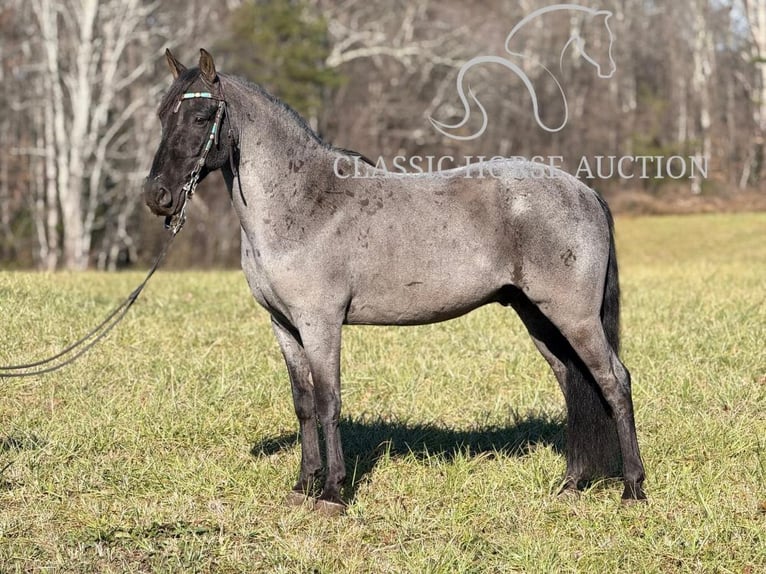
297, 118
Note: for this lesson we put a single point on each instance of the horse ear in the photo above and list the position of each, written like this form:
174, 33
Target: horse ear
176, 67
207, 67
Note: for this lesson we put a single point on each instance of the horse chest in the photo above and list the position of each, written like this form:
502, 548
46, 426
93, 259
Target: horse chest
258, 279
279, 281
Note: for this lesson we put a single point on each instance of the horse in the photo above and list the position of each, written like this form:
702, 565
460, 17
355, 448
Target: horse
321, 248
604, 71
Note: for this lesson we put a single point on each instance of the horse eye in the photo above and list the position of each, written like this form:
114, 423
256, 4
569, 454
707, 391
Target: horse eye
200, 119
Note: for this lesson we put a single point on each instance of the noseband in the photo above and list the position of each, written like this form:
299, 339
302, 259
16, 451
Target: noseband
176, 222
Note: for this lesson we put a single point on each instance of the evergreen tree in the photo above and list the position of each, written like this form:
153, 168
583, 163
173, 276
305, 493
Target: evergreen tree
282, 45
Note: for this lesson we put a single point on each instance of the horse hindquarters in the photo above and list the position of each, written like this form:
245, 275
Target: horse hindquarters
575, 325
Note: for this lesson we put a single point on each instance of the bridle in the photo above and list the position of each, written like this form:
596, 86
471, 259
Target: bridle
176, 222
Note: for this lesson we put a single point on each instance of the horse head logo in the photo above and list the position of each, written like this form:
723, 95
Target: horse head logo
575, 41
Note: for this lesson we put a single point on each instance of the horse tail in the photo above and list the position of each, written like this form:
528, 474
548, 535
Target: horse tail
610, 307
593, 448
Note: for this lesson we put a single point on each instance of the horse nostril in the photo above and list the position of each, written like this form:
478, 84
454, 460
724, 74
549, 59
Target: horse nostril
164, 198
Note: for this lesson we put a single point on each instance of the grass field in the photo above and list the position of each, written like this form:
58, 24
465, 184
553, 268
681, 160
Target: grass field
169, 448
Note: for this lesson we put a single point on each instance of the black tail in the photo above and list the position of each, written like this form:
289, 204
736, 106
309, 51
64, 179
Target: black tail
593, 449
610, 308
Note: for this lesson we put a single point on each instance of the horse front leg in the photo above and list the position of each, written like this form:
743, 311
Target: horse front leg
305, 409
321, 341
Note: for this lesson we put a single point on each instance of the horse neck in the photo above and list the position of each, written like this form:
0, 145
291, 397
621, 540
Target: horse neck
277, 153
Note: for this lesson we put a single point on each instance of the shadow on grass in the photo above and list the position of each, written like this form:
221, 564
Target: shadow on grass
9, 445
368, 440
16, 443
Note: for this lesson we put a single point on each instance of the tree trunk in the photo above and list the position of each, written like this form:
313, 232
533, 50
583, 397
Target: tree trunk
703, 64
753, 170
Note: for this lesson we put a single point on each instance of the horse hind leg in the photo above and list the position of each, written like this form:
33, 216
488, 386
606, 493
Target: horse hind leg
593, 448
544, 335
594, 415
593, 445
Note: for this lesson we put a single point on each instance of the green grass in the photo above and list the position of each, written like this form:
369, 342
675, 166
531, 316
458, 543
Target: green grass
169, 447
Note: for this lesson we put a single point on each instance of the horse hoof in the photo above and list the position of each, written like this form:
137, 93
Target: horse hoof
633, 494
329, 509
569, 490
568, 493
295, 498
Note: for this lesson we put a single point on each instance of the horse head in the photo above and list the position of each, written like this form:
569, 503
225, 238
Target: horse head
193, 115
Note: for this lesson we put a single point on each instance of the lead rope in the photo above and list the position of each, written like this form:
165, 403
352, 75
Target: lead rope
82, 345
173, 223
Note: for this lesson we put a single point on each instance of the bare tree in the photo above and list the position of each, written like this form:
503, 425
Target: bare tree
703, 59
89, 106
81, 79
755, 11
388, 51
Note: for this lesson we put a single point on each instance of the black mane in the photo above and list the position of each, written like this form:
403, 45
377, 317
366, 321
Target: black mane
298, 119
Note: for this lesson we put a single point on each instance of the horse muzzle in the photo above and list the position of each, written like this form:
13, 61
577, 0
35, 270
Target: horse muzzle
160, 199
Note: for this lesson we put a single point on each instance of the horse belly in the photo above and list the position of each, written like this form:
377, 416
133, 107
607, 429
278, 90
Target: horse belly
418, 301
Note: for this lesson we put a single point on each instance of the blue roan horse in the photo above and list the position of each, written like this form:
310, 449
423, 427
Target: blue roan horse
321, 249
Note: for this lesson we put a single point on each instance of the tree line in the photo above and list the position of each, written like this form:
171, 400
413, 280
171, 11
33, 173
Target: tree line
646, 80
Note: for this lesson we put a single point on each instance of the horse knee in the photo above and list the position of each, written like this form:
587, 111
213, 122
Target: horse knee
304, 412
328, 409
303, 401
